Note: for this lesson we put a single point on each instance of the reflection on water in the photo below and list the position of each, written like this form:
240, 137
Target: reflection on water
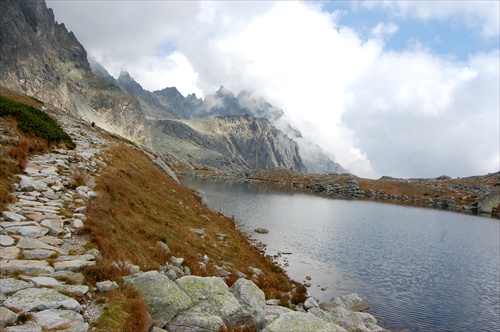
420, 269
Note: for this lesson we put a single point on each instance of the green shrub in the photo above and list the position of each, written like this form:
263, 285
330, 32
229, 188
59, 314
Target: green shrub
32, 120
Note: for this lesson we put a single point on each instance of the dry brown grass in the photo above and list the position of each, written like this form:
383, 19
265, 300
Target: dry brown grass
139, 205
15, 149
125, 311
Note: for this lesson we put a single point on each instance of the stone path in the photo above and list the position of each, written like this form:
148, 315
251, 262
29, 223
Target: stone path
41, 254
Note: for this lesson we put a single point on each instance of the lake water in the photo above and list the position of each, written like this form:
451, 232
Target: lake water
420, 269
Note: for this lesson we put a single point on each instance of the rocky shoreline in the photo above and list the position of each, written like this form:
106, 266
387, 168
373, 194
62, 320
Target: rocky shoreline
478, 195
42, 254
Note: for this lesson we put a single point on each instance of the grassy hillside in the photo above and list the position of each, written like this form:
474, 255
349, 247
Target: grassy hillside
139, 205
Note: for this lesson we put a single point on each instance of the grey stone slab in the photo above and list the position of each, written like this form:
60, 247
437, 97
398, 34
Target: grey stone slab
6, 241
38, 299
53, 319
11, 285
31, 267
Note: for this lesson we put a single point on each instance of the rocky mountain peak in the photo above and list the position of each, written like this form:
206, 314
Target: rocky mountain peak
129, 85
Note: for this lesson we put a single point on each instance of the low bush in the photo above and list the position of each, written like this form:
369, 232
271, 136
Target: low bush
34, 121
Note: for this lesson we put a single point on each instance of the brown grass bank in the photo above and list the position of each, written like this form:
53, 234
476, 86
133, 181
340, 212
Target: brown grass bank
139, 205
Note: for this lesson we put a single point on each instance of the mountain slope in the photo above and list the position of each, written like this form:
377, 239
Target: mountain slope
228, 143
40, 58
170, 104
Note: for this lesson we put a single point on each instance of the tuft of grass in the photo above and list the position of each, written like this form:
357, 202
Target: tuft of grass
125, 311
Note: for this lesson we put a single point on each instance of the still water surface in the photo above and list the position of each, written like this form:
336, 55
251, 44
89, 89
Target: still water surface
420, 269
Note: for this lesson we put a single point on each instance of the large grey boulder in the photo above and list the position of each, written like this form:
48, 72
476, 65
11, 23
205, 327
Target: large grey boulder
37, 299
164, 298
195, 322
211, 295
300, 321
349, 320
251, 298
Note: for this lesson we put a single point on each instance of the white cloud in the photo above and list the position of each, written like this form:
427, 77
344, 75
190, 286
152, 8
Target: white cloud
482, 16
415, 113
378, 112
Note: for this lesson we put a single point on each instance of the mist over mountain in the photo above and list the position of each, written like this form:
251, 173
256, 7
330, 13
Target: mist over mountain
170, 104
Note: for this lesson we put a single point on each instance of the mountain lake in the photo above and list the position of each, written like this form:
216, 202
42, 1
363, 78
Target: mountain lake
420, 269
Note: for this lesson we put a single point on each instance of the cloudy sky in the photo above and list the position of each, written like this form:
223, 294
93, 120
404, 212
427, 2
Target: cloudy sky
407, 89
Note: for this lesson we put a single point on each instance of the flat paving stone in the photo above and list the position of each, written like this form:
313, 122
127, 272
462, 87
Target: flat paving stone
31, 267
6, 241
9, 252
38, 299
11, 285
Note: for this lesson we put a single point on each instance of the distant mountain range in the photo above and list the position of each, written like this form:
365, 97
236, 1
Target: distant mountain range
40, 58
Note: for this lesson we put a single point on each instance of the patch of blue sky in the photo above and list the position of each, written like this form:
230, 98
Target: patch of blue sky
166, 48
445, 37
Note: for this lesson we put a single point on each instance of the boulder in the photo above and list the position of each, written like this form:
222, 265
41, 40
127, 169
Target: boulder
176, 261
106, 286
349, 320
352, 302
164, 247
300, 321
251, 298
164, 297
37, 299
195, 322
57, 319
212, 296
55, 226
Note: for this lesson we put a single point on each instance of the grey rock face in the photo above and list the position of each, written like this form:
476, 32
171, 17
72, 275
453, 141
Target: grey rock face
228, 143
